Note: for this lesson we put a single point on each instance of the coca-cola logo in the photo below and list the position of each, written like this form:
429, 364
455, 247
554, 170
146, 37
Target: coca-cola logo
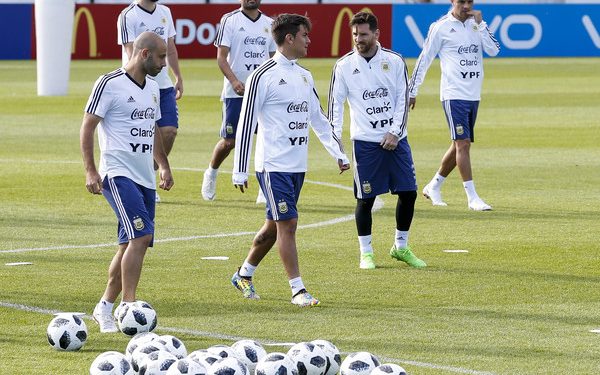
473, 48
259, 40
143, 114
380, 92
298, 107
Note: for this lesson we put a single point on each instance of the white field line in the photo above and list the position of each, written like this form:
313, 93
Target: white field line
378, 205
221, 336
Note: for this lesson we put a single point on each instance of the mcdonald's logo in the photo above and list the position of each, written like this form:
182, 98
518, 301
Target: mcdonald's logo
93, 42
337, 28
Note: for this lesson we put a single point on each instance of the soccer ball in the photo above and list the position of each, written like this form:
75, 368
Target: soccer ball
157, 363
228, 366
136, 317
388, 369
138, 340
111, 363
173, 345
359, 363
249, 352
142, 351
276, 364
310, 359
186, 366
222, 351
204, 358
334, 360
67, 332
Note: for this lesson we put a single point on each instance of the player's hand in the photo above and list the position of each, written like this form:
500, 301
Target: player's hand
389, 141
242, 186
476, 14
343, 166
412, 102
166, 179
178, 89
238, 87
93, 182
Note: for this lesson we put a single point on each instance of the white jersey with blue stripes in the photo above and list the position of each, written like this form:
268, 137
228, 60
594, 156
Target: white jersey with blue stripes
460, 46
126, 133
280, 99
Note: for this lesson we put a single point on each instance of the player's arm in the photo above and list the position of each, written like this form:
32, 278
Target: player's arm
128, 47
488, 41
173, 61
160, 157
338, 93
431, 47
222, 53
93, 181
400, 117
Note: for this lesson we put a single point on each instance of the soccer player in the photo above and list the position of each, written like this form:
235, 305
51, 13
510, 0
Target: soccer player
458, 38
147, 15
243, 42
282, 102
126, 106
374, 81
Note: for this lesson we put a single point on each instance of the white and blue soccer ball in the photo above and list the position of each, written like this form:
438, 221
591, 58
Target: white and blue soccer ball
67, 332
138, 340
136, 317
334, 359
174, 345
204, 358
359, 363
388, 369
186, 366
276, 364
157, 363
309, 358
111, 363
142, 351
228, 366
249, 352
222, 351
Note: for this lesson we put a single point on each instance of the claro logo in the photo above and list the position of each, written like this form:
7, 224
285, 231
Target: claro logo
93, 42
337, 28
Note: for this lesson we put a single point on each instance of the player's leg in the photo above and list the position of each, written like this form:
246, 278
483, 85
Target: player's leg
131, 266
103, 310
168, 124
231, 115
364, 223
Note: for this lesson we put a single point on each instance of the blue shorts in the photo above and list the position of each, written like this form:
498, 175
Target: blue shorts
461, 116
378, 171
231, 114
134, 206
282, 191
169, 114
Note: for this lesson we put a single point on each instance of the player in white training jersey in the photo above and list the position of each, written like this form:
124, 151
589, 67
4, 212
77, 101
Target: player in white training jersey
458, 38
280, 99
374, 81
147, 15
126, 106
243, 42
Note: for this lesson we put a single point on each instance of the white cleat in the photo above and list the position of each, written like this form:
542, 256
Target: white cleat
479, 205
434, 195
260, 198
106, 321
209, 187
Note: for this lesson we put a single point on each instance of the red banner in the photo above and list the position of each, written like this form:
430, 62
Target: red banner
95, 28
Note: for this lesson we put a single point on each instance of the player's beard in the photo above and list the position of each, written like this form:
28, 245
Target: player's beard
247, 6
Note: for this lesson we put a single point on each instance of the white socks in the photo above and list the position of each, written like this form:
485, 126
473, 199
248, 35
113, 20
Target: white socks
401, 239
247, 270
297, 285
211, 171
365, 244
437, 181
470, 190
105, 306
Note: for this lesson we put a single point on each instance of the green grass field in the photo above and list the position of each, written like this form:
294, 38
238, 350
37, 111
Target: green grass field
521, 301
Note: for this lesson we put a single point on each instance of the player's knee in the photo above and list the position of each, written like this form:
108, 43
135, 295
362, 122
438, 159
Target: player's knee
407, 197
365, 204
265, 237
169, 132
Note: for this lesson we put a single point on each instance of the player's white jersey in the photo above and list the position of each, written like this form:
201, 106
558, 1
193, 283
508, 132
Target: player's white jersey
377, 92
126, 133
250, 44
281, 100
459, 46
134, 20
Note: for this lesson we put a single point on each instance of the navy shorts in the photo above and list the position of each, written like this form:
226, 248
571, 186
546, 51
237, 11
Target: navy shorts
134, 206
461, 116
231, 115
379, 171
169, 114
282, 190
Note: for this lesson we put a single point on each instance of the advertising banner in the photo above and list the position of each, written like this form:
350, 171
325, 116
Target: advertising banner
522, 30
17, 20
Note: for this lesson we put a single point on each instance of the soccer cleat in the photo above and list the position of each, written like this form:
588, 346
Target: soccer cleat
304, 299
209, 186
405, 255
367, 261
434, 195
479, 205
105, 320
244, 285
157, 198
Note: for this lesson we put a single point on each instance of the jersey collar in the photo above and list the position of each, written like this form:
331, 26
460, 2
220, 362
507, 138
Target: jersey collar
284, 61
